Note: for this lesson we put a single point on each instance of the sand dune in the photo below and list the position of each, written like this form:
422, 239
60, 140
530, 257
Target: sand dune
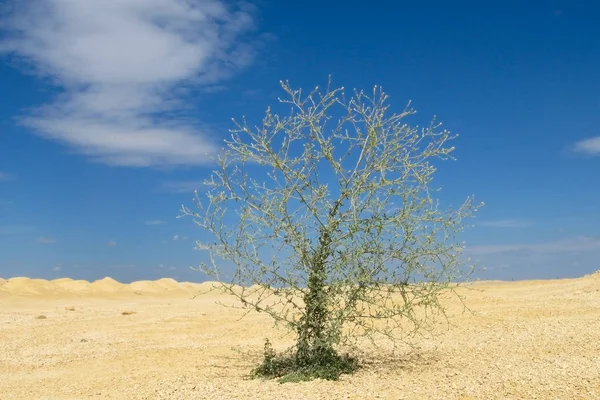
168, 284
72, 286
145, 287
106, 287
23, 286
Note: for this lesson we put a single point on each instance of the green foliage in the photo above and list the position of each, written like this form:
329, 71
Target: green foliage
288, 367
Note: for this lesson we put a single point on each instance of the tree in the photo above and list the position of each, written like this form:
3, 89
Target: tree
328, 216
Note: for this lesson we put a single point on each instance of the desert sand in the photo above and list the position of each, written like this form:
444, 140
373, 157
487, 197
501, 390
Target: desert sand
66, 339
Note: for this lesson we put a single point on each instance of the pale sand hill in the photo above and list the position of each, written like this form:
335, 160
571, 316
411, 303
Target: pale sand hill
145, 287
107, 285
23, 285
161, 340
168, 284
72, 286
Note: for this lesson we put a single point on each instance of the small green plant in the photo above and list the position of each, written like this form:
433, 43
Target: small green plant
289, 367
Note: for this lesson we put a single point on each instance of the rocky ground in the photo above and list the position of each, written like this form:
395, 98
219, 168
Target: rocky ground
69, 339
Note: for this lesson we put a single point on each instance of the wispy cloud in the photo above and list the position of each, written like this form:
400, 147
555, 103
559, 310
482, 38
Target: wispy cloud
179, 237
182, 186
506, 223
126, 67
589, 146
111, 243
57, 267
154, 222
576, 244
6, 177
46, 240
167, 267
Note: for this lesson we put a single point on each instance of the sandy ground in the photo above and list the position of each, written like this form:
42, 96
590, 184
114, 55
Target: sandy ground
525, 340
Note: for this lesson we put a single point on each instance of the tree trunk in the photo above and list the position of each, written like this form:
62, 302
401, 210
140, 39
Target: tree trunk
313, 344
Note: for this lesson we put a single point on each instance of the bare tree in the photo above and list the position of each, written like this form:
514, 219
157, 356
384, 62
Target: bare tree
328, 216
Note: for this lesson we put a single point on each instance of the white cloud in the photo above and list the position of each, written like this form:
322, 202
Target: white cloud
111, 243
154, 222
589, 146
5, 177
505, 223
576, 244
176, 237
57, 267
182, 186
46, 240
126, 67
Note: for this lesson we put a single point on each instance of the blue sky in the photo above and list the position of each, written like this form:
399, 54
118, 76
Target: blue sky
110, 107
